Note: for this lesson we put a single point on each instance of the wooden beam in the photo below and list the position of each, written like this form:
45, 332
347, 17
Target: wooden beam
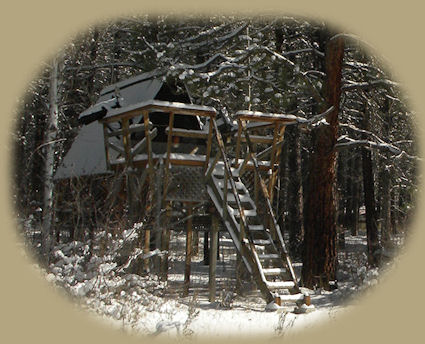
169, 145
189, 250
133, 128
267, 117
116, 148
265, 139
195, 250
209, 142
195, 134
126, 143
141, 145
239, 263
149, 143
146, 249
213, 258
211, 168
162, 106
238, 144
165, 243
275, 159
105, 142
187, 162
273, 154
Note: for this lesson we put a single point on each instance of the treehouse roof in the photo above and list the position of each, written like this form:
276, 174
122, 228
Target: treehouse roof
87, 154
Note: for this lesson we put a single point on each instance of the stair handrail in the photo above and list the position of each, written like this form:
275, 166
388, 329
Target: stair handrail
228, 172
269, 208
259, 275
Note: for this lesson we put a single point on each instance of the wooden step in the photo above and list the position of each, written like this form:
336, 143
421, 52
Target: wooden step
274, 271
247, 212
292, 298
269, 256
219, 171
262, 242
243, 198
256, 227
220, 184
280, 285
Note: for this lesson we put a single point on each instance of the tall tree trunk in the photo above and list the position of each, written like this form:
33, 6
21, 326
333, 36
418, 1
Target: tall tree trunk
393, 211
51, 132
373, 245
320, 256
341, 196
385, 180
294, 195
353, 193
386, 206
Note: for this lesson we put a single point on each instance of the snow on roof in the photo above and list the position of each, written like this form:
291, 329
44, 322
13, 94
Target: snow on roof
159, 103
127, 83
137, 91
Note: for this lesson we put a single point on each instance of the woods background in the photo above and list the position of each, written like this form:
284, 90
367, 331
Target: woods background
24, 58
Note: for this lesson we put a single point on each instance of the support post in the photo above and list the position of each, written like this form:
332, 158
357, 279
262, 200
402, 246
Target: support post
238, 145
146, 249
195, 243
209, 141
157, 209
213, 257
206, 248
240, 266
169, 145
189, 250
165, 244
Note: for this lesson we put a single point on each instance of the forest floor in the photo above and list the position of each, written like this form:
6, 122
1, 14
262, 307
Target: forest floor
147, 306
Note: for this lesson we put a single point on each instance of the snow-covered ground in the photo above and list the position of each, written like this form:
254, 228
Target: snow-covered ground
147, 306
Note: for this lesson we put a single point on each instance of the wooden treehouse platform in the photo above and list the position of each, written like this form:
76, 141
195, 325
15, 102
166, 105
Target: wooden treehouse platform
232, 180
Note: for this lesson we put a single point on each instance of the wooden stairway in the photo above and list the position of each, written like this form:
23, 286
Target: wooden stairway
261, 248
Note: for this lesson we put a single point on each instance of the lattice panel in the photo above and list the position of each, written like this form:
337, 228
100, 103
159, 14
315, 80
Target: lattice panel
186, 184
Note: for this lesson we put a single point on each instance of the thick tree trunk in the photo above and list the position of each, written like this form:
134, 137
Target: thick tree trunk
51, 132
320, 255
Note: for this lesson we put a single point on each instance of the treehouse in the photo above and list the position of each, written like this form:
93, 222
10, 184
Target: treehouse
176, 152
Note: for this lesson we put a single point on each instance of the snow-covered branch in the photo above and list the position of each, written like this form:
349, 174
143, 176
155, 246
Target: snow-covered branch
350, 143
351, 85
221, 39
203, 64
316, 94
103, 66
